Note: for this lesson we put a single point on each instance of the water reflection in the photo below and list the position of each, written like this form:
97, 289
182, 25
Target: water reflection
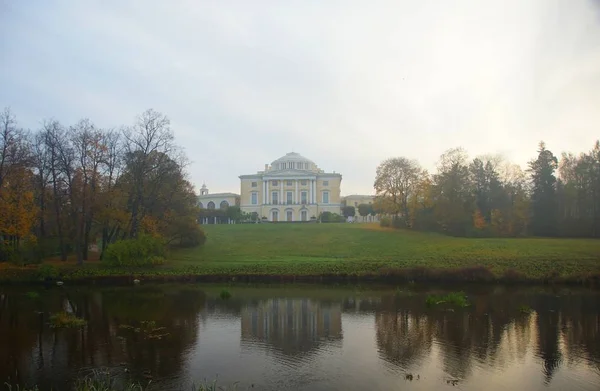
291, 326
305, 338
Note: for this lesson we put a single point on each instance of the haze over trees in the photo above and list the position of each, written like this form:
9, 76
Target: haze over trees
65, 188
488, 196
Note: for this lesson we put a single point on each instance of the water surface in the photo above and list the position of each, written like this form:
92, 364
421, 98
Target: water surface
304, 337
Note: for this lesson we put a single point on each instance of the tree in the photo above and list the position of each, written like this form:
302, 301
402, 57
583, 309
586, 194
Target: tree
148, 144
395, 182
14, 146
452, 192
364, 210
349, 211
17, 208
543, 196
577, 192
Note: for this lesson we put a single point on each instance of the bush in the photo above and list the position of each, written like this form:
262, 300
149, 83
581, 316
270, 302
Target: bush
385, 222
192, 237
398, 222
328, 217
65, 320
27, 253
47, 271
143, 251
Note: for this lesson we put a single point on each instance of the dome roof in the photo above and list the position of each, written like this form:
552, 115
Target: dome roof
292, 157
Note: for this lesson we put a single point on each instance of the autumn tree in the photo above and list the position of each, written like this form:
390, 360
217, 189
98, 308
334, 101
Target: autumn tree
395, 181
17, 209
452, 193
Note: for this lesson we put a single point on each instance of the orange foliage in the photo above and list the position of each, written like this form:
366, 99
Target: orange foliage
478, 220
18, 211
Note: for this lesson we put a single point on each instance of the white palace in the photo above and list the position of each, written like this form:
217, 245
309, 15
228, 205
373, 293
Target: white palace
291, 188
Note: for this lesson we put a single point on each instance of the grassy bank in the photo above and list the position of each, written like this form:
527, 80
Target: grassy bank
339, 251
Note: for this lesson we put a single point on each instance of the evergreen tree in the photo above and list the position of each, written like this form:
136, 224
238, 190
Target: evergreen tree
543, 196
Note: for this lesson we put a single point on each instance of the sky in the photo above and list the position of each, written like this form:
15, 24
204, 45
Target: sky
345, 83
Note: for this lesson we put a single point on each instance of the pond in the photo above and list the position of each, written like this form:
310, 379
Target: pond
299, 337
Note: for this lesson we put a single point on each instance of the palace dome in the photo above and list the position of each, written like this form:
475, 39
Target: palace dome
293, 160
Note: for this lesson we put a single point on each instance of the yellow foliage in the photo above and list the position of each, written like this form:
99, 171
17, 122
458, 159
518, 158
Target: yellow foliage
149, 225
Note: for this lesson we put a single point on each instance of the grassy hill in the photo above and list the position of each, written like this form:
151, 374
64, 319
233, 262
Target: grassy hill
368, 249
341, 250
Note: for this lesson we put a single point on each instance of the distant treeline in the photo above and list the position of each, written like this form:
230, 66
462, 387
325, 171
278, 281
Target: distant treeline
488, 196
65, 188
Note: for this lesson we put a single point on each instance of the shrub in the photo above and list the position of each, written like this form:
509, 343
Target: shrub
47, 271
28, 252
225, 294
458, 299
65, 319
142, 251
385, 222
191, 237
328, 217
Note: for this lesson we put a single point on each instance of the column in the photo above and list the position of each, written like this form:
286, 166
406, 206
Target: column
297, 200
281, 192
264, 192
310, 190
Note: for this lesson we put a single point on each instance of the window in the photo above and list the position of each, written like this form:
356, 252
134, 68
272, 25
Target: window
200, 205
325, 183
274, 197
303, 197
289, 215
224, 205
303, 215
211, 205
325, 197
254, 184
274, 183
288, 183
275, 216
254, 198
292, 165
356, 204
289, 197
303, 183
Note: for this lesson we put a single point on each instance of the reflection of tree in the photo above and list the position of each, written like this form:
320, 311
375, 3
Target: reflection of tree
404, 336
291, 326
548, 334
100, 343
492, 331
580, 323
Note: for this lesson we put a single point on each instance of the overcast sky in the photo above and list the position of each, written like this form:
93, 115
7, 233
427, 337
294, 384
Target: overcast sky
345, 83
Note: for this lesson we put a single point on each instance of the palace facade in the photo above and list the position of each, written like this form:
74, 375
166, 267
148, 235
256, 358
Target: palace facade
291, 188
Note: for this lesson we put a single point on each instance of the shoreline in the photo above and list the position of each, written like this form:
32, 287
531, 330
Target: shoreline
476, 274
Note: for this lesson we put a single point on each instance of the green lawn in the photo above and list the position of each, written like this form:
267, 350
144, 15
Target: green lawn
348, 250
367, 249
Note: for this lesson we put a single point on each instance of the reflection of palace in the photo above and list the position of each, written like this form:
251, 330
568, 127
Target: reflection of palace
292, 324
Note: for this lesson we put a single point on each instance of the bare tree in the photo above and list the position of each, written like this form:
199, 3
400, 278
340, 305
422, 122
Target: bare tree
53, 135
111, 172
148, 145
14, 146
90, 153
41, 163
